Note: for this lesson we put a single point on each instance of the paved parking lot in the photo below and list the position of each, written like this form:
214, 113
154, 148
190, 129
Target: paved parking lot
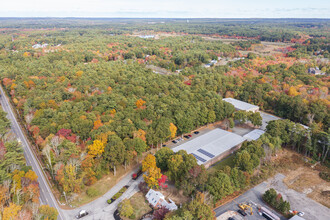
298, 201
201, 130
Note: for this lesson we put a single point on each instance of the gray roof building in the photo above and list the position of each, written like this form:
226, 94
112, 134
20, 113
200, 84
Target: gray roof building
212, 146
240, 105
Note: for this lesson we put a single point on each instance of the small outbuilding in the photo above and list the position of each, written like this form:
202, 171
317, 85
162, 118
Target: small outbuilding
240, 105
211, 147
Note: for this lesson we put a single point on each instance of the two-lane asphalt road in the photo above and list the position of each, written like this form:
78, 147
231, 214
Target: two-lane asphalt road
46, 196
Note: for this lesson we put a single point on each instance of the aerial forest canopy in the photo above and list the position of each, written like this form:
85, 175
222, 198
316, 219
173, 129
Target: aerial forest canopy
95, 95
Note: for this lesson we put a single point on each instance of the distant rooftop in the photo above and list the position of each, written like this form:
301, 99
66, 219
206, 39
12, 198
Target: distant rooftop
240, 105
210, 145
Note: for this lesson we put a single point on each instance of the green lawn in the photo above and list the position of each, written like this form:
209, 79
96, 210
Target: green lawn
228, 161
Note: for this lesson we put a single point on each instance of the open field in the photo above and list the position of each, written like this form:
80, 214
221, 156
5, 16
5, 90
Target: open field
103, 185
228, 161
307, 181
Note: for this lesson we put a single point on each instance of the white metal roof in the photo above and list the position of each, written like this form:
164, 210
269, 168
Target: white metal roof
254, 135
154, 197
210, 145
240, 105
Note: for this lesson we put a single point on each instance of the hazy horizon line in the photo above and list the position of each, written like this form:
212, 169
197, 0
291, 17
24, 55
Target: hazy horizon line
163, 17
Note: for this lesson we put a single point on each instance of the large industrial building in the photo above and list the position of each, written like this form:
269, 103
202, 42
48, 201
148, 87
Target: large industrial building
212, 146
240, 105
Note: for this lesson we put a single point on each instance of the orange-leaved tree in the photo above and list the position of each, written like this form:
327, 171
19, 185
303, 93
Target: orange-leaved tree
97, 124
139, 103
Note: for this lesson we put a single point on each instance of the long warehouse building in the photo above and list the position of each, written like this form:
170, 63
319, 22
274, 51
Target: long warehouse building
212, 146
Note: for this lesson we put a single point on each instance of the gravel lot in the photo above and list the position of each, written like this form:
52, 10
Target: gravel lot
298, 201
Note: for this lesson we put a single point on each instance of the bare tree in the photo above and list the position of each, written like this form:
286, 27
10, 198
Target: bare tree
47, 153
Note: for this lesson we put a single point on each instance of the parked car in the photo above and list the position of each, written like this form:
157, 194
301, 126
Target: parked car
186, 136
196, 132
230, 218
189, 135
136, 175
164, 145
242, 212
174, 142
301, 214
81, 214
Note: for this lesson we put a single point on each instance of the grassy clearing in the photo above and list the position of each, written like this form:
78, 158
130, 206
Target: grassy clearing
103, 186
228, 161
140, 205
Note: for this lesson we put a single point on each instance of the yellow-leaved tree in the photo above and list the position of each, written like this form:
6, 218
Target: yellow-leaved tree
11, 211
152, 171
153, 174
173, 130
293, 91
148, 162
96, 149
31, 175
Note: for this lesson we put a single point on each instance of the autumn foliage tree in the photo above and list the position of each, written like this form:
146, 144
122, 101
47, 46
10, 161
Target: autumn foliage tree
96, 149
173, 130
153, 173
11, 212
139, 103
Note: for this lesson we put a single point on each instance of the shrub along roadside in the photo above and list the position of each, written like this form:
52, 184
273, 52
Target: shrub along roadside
117, 195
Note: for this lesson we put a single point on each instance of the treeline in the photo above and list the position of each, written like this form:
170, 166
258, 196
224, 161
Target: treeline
314, 46
245, 45
19, 189
263, 29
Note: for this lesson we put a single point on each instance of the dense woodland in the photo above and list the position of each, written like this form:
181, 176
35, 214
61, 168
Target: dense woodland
19, 189
91, 104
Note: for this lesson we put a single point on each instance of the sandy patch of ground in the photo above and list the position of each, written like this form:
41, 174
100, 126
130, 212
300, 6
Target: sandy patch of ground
174, 194
306, 180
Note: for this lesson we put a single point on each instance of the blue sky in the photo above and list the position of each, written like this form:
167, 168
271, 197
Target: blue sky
167, 8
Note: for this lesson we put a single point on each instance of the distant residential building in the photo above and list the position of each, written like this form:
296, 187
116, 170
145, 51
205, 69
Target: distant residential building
157, 200
315, 71
37, 46
147, 36
240, 105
